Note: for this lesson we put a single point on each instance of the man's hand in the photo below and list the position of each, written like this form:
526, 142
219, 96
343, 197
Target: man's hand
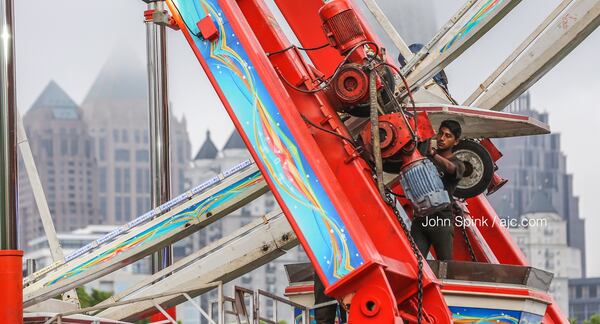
445, 164
431, 151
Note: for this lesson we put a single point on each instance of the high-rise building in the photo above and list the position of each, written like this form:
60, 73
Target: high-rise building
208, 162
537, 164
116, 111
63, 152
584, 298
543, 240
414, 20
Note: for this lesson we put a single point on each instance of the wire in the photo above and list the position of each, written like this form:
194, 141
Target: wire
410, 96
349, 140
184, 22
335, 72
396, 194
298, 47
289, 84
448, 95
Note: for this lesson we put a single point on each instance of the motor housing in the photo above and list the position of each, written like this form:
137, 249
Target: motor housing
341, 26
423, 187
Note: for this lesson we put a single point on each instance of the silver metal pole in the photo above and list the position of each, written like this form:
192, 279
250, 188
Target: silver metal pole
156, 47
30, 266
8, 130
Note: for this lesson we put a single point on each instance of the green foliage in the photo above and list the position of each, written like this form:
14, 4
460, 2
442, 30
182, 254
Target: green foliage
89, 300
594, 319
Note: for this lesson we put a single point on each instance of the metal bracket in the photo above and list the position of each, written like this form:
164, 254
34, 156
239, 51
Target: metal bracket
160, 17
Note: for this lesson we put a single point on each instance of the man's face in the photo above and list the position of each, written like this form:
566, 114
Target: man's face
445, 139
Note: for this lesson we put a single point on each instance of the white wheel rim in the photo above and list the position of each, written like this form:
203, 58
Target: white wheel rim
476, 162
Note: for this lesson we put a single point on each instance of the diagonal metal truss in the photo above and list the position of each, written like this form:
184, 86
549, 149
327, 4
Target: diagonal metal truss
178, 218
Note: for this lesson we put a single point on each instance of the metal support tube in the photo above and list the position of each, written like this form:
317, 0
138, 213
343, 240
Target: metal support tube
38, 192
159, 123
199, 309
221, 309
42, 204
164, 312
8, 131
30, 266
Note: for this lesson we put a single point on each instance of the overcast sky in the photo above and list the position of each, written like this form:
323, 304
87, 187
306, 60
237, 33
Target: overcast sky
69, 40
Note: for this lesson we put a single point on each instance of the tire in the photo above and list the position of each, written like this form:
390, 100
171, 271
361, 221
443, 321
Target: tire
479, 169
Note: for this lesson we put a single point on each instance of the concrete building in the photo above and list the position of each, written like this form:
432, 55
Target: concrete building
584, 298
64, 155
543, 240
208, 162
537, 164
116, 111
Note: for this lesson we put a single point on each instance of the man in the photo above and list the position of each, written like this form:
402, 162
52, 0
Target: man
423, 231
438, 229
325, 314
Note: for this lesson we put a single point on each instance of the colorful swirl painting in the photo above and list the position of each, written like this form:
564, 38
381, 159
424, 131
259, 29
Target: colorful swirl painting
167, 225
479, 16
272, 141
471, 315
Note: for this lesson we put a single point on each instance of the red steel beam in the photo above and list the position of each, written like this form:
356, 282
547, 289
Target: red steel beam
387, 272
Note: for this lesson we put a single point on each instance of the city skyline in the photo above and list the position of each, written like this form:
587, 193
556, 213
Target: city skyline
76, 67
535, 164
93, 157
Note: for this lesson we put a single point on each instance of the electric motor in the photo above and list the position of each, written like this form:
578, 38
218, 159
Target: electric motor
341, 26
423, 186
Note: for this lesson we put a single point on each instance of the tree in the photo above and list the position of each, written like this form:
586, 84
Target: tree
594, 319
89, 300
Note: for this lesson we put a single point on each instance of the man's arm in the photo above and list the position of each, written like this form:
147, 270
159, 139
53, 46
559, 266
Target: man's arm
447, 166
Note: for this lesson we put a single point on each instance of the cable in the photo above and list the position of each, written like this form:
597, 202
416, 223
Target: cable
298, 47
335, 72
447, 93
396, 194
410, 96
349, 140
184, 22
289, 84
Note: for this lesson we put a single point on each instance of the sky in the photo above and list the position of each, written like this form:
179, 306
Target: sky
68, 41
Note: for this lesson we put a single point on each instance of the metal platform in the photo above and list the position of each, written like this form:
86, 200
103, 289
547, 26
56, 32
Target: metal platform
484, 123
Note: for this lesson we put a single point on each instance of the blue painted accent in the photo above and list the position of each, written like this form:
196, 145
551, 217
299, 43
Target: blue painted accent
273, 143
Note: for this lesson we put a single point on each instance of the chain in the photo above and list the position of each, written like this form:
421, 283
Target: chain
392, 202
463, 229
468, 243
